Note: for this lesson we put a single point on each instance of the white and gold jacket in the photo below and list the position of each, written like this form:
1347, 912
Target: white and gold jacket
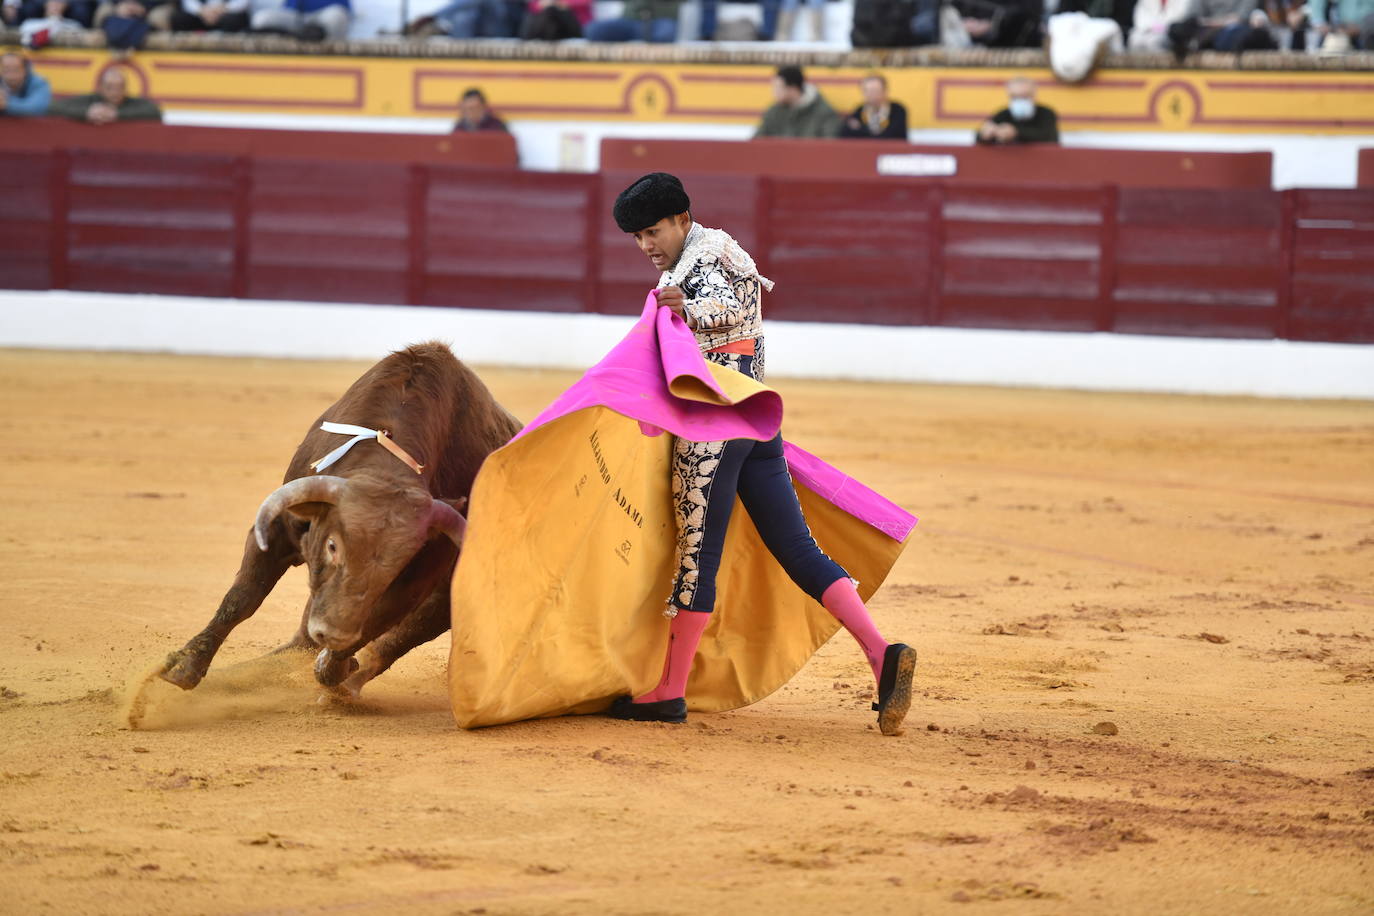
722, 288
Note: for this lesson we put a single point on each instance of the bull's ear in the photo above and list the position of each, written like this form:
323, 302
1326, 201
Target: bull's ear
309, 512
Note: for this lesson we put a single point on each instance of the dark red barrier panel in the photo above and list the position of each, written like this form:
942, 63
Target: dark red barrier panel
337, 231
29, 182
857, 251
1037, 164
152, 223
1021, 257
1332, 271
488, 148
1197, 262
896, 251
509, 240
1366, 168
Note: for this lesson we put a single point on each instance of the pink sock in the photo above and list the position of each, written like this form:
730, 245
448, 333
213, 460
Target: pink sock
842, 600
684, 635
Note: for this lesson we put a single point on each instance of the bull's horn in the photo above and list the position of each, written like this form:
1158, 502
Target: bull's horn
316, 489
447, 520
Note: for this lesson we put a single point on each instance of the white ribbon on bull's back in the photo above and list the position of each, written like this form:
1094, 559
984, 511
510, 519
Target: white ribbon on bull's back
359, 434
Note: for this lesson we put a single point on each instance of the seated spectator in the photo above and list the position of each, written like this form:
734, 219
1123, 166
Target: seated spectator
126, 23
1151, 22
766, 31
1022, 121
878, 116
211, 16
555, 20
109, 103
1223, 25
799, 110
1002, 23
18, 11
1353, 19
787, 18
643, 20
474, 113
308, 20
23, 93
51, 17
473, 19
1290, 21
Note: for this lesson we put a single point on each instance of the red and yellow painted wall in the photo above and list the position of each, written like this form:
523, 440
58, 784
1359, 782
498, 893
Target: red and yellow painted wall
1134, 100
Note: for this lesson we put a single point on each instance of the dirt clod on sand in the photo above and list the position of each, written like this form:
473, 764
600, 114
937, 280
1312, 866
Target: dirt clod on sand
1076, 555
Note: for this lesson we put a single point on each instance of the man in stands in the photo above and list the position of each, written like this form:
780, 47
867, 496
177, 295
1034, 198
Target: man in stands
309, 20
14, 12
799, 110
642, 20
109, 103
1022, 121
475, 114
23, 93
878, 117
1352, 19
211, 16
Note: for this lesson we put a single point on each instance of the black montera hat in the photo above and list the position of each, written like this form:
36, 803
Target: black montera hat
649, 200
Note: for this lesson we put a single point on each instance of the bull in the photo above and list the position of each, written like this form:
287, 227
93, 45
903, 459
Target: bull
380, 532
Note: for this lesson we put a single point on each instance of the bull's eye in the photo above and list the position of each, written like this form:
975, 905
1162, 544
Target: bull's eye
332, 548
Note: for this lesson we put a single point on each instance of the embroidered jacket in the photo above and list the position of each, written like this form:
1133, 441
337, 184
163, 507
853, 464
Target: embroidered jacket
721, 286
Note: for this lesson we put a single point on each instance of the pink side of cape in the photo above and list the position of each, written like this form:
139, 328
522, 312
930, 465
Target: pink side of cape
633, 381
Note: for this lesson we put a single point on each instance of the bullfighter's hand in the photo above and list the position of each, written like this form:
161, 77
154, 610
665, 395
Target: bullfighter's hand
671, 297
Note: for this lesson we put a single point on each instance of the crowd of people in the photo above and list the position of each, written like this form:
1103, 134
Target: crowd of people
127, 23
1180, 26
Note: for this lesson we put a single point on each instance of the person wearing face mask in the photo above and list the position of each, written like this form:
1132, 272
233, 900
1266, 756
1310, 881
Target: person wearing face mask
1022, 121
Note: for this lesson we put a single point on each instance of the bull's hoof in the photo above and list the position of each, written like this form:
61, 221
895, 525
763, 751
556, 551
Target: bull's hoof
183, 669
331, 668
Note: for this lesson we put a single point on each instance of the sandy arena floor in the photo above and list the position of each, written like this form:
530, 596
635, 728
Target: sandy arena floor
1199, 573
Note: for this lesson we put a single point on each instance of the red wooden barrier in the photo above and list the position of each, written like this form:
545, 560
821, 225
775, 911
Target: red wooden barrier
488, 148
1366, 168
1219, 263
1036, 164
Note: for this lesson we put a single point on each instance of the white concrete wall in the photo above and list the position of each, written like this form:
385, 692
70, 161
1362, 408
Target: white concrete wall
96, 321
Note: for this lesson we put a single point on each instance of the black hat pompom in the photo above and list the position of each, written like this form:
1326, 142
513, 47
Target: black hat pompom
649, 200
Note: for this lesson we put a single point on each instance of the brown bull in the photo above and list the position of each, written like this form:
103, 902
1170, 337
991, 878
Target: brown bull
380, 538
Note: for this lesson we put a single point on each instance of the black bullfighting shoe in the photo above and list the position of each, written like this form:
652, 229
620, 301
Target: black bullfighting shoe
894, 687
658, 711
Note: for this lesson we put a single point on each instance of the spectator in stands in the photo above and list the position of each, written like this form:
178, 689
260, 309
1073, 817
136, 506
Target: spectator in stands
555, 20
19, 11
1349, 23
23, 93
642, 20
787, 18
109, 103
126, 23
475, 114
465, 19
308, 20
879, 116
46, 18
1223, 25
1002, 23
1022, 121
799, 110
1151, 22
211, 16
767, 30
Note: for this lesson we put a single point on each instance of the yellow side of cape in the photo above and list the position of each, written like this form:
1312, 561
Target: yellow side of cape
568, 563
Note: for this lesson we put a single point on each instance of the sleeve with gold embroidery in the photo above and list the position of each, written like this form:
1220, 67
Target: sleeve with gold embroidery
710, 300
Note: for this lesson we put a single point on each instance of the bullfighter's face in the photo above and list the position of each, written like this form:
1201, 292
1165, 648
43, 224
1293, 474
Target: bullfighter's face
355, 551
662, 242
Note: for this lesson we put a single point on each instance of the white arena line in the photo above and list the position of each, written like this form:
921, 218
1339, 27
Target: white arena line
59, 319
